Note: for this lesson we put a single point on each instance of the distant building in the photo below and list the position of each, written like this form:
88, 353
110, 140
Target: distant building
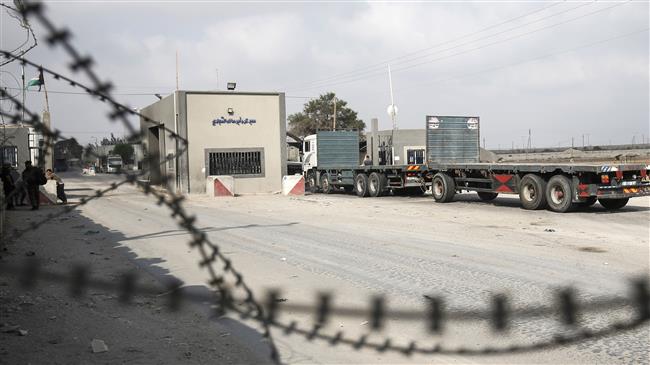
408, 146
239, 134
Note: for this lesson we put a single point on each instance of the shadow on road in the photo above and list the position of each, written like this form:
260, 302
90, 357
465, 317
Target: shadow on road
73, 239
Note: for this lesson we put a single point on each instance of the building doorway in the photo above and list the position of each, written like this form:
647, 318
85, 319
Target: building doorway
155, 166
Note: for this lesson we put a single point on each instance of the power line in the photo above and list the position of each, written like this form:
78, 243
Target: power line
468, 50
383, 63
527, 60
130, 94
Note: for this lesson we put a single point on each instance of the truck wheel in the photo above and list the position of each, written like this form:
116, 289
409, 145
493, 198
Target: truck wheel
375, 188
558, 194
311, 183
361, 185
588, 202
613, 204
326, 184
444, 188
486, 197
532, 192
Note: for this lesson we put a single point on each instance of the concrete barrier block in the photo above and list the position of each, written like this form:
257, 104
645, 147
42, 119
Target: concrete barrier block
48, 193
220, 186
293, 185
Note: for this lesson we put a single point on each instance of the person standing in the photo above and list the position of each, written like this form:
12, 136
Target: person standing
367, 161
7, 185
33, 177
60, 190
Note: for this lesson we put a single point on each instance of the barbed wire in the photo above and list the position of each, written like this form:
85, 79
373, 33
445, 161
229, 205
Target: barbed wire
102, 89
25, 24
500, 316
221, 269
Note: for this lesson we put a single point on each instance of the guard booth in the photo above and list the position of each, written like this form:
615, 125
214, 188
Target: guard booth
238, 134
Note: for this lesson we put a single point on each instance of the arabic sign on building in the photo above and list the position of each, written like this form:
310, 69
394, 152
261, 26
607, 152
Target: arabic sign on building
237, 121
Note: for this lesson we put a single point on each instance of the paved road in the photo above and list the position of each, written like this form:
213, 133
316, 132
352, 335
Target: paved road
404, 248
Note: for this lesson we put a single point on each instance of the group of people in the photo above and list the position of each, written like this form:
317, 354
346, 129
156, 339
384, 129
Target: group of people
16, 187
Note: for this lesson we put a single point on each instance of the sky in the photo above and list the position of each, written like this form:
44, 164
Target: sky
563, 70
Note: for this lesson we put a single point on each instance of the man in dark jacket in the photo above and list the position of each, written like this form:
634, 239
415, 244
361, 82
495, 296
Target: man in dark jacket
7, 185
33, 176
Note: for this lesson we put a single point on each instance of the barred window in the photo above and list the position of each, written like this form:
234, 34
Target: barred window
236, 162
9, 155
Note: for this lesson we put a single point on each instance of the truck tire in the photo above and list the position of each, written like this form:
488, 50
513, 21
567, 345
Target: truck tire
326, 184
613, 204
532, 192
486, 197
312, 187
376, 184
443, 188
361, 185
559, 195
587, 202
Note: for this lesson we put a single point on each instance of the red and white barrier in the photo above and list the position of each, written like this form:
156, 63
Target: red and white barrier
47, 193
220, 186
293, 185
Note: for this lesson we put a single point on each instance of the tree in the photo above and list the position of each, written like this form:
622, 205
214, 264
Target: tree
318, 114
125, 151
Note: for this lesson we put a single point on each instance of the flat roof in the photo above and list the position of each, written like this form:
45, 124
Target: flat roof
227, 92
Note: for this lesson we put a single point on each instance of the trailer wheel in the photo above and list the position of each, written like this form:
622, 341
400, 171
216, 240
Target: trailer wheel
311, 183
376, 184
486, 197
443, 187
326, 184
587, 202
532, 192
361, 185
613, 204
558, 194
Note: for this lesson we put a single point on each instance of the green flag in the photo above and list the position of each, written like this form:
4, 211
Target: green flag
37, 81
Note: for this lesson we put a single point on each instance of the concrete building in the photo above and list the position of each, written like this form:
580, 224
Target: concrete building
408, 147
239, 134
19, 144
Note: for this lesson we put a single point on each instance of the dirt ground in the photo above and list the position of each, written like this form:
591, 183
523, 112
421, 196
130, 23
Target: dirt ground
47, 326
402, 247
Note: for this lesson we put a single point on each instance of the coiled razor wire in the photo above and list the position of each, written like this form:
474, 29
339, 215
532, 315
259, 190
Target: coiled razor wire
249, 307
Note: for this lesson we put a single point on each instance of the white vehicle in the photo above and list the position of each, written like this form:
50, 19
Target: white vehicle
113, 164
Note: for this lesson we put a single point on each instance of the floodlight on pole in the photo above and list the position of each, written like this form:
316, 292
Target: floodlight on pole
392, 108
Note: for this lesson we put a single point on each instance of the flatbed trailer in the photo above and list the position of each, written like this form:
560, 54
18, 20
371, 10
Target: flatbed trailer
558, 187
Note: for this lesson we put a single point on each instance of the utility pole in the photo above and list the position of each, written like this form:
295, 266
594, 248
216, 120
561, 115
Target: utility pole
334, 119
217, 78
22, 67
583, 141
572, 142
176, 69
